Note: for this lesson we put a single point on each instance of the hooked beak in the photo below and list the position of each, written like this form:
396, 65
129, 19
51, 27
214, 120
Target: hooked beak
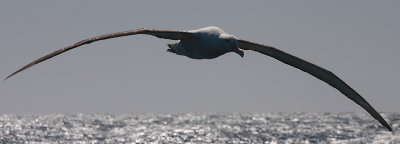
237, 50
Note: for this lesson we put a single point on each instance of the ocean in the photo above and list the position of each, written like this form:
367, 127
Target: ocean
198, 128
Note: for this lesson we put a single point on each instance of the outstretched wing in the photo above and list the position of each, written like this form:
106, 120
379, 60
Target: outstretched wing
317, 72
166, 34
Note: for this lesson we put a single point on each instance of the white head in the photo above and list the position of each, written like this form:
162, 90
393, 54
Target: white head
229, 42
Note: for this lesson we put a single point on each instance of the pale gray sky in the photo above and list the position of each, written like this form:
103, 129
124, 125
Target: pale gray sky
358, 40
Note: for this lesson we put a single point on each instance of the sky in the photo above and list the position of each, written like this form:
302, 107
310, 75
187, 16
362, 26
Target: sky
357, 40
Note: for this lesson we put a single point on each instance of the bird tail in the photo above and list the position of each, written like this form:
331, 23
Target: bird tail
172, 47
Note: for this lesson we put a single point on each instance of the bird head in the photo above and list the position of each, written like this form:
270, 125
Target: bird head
230, 42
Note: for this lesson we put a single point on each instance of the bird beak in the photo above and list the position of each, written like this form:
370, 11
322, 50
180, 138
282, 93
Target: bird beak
236, 49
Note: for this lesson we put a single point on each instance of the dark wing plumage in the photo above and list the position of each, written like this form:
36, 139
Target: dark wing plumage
166, 34
317, 72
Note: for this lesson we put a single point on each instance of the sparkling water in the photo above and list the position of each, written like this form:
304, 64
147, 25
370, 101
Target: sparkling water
198, 128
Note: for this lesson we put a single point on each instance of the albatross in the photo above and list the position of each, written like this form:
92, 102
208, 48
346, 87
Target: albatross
212, 42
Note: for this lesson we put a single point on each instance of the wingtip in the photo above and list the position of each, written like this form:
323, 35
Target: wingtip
6, 78
9, 76
385, 124
388, 127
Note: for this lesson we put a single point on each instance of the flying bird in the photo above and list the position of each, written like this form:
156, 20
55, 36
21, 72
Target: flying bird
212, 42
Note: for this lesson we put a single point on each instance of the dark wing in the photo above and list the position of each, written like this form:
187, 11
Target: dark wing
317, 72
166, 34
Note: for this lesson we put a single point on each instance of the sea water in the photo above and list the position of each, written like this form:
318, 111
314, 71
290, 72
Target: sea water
198, 128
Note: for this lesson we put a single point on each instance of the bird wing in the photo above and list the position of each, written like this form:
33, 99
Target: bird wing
166, 34
317, 72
